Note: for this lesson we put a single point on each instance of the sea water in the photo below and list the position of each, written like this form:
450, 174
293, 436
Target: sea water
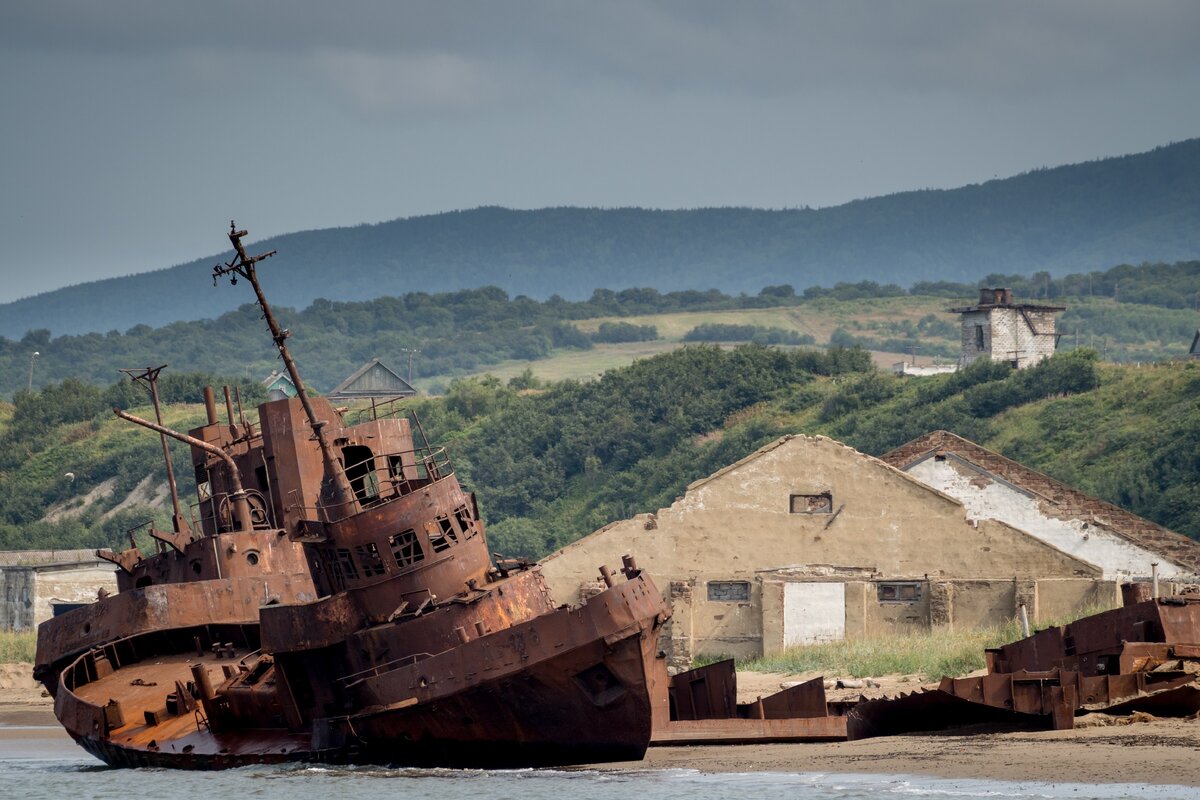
39, 766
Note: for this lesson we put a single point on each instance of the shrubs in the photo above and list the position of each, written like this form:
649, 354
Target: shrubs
758, 334
618, 332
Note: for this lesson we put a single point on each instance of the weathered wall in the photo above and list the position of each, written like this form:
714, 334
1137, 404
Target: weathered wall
17, 592
70, 584
988, 497
1056, 499
27, 593
740, 522
1009, 334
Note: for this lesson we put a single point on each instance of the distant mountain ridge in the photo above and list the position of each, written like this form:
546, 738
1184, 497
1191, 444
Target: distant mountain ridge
1081, 217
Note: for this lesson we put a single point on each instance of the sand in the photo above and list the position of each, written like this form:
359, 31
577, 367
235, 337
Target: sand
1150, 751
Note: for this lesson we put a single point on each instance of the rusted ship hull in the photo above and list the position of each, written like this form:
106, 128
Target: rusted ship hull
573, 686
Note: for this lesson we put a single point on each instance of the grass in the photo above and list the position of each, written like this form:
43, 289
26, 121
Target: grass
17, 646
929, 654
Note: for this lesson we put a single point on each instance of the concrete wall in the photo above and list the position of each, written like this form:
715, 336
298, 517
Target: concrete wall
17, 593
739, 525
70, 584
987, 496
953, 605
27, 593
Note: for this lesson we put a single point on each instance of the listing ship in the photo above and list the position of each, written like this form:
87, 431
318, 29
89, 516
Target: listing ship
334, 600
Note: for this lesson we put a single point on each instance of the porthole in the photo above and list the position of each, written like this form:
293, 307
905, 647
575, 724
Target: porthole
252, 558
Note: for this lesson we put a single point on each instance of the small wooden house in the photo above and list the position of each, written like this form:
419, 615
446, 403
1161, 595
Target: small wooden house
373, 380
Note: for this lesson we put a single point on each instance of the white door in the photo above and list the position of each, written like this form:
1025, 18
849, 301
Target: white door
813, 613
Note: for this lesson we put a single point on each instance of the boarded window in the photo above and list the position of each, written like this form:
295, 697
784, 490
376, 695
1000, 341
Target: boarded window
812, 503
406, 548
370, 560
899, 592
729, 591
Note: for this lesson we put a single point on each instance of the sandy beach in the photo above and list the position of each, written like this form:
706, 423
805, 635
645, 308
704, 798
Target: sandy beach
1153, 751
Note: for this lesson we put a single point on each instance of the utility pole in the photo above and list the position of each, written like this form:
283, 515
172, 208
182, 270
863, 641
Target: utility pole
32, 359
412, 351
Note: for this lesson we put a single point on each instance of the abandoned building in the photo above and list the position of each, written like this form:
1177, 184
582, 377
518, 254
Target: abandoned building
1123, 545
373, 381
278, 385
38, 584
808, 540
999, 329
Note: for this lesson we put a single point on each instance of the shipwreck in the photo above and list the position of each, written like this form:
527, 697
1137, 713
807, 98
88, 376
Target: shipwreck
333, 599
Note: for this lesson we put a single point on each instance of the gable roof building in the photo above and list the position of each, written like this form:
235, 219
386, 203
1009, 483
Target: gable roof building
1119, 542
809, 540
279, 382
373, 380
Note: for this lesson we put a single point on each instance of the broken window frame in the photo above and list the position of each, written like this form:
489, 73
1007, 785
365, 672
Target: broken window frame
370, 561
406, 548
898, 592
741, 595
807, 506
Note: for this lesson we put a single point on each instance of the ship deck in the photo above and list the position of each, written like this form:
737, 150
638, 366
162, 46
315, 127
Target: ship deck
143, 687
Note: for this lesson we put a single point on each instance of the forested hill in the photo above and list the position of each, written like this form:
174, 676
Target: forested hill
1136, 208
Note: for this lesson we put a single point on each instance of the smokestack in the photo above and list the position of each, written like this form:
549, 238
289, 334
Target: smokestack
210, 405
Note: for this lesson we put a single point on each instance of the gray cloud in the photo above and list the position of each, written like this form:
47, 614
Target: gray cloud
159, 117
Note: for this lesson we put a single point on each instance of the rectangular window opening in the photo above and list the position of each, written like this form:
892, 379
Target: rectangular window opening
812, 503
406, 548
729, 591
371, 561
899, 591
978, 337
462, 515
346, 562
439, 538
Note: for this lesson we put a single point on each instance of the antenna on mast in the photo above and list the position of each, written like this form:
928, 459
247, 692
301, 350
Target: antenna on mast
243, 265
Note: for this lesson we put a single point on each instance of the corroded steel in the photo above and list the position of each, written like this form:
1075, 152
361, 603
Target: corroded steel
336, 602
1145, 656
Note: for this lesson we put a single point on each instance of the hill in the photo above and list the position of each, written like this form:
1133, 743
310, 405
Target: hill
483, 330
1130, 209
554, 462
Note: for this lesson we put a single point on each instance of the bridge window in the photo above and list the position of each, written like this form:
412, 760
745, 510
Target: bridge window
370, 560
406, 548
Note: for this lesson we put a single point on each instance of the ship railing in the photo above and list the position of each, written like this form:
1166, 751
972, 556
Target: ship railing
387, 409
355, 678
90, 666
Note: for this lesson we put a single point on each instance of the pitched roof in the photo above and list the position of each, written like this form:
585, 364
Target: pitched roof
1068, 501
374, 379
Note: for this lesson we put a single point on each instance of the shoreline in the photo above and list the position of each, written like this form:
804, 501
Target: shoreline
1160, 752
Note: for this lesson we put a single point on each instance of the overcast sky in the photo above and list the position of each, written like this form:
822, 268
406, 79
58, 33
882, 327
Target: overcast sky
131, 132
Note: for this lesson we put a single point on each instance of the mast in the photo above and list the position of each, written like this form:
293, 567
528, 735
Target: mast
149, 377
243, 265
